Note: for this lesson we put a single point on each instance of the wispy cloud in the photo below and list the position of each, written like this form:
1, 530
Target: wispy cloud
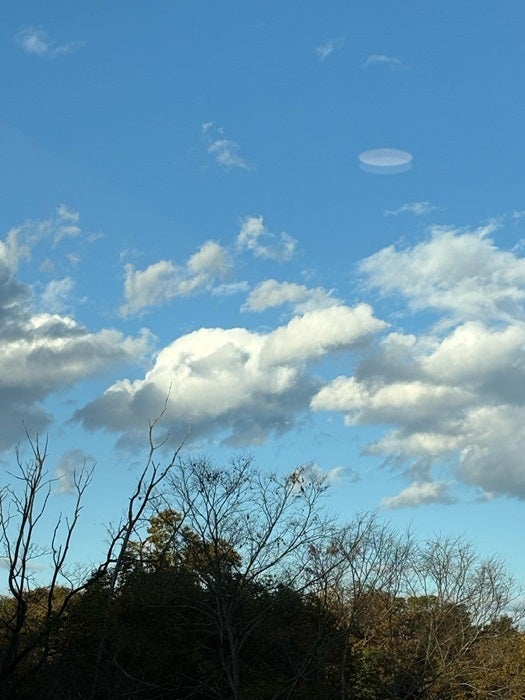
37, 42
255, 237
382, 59
416, 208
420, 493
65, 224
56, 296
328, 47
69, 467
226, 152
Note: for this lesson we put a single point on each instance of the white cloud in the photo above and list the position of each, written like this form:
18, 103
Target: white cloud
420, 493
229, 289
416, 208
382, 59
162, 281
233, 381
226, 152
411, 403
56, 295
12, 252
51, 349
64, 225
37, 42
451, 397
328, 47
317, 332
67, 214
256, 238
312, 473
462, 273
271, 293
43, 353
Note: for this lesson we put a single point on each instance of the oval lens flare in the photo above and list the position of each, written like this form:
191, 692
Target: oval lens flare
385, 161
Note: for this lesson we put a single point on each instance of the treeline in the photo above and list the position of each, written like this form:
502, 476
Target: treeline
233, 583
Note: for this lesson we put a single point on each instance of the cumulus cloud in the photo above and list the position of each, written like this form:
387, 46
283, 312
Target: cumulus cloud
255, 237
272, 293
43, 353
420, 493
462, 273
226, 152
37, 42
328, 47
451, 397
243, 384
376, 59
160, 282
416, 208
317, 332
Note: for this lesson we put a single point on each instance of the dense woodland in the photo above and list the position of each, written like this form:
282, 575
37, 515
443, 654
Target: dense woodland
235, 583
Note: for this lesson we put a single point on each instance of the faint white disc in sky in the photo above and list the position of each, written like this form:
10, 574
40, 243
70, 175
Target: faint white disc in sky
385, 161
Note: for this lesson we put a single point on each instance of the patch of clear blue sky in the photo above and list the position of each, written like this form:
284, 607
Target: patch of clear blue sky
114, 130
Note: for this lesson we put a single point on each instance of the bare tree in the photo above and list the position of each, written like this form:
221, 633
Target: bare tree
360, 576
140, 502
454, 597
23, 504
32, 612
247, 528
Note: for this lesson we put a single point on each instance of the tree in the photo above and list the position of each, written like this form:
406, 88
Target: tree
451, 598
30, 616
245, 536
359, 577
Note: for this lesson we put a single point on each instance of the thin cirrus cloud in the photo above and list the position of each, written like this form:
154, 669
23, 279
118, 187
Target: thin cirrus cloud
67, 471
64, 224
255, 237
160, 282
378, 59
37, 42
416, 208
225, 151
452, 394
328, 47
56, 297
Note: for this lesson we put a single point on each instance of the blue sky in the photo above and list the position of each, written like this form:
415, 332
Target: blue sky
307, 219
